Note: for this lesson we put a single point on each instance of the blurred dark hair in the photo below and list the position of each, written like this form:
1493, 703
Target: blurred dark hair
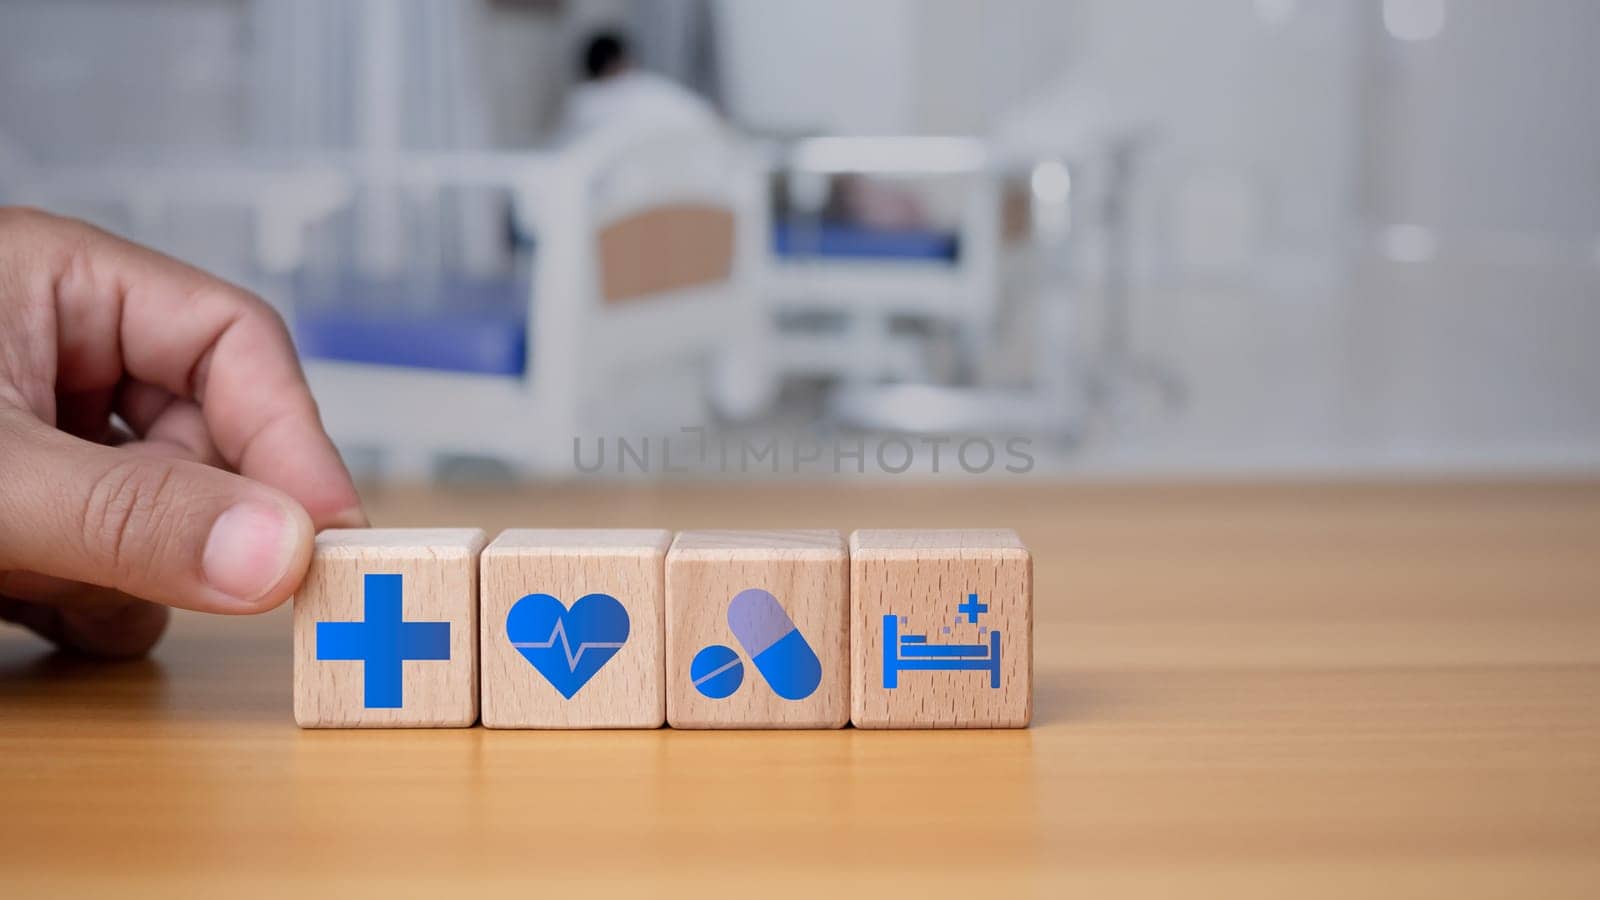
606, 52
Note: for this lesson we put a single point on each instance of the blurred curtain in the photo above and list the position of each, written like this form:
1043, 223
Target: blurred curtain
677, 39
374, 79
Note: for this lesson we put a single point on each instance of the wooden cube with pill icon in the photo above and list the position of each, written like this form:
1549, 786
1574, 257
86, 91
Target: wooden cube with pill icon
941, 629
757, 633
572, 628
385, 629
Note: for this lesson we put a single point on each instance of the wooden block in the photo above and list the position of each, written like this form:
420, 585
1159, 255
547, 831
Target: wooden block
386, 630
756, 630
941, 629
573, 629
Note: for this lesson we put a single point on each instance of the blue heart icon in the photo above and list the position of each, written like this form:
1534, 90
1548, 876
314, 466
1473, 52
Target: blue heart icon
567, 646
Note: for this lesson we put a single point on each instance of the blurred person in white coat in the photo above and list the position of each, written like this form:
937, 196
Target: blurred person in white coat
614, 92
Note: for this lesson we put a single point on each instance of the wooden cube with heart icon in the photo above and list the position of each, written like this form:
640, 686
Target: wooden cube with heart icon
571, 629
757, 635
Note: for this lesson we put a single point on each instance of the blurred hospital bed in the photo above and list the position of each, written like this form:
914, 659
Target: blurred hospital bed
637, 304
839, 288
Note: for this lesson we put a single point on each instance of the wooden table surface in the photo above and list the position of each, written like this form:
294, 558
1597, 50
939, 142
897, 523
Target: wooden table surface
1267, 691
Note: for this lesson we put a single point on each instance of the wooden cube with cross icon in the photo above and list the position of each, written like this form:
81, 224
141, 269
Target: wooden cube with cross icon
385, 629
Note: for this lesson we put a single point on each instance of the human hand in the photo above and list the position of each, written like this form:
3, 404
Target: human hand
102, 528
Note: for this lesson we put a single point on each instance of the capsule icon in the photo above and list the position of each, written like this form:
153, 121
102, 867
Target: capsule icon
776, 647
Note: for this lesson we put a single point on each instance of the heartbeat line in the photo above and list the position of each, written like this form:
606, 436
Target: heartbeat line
572, 656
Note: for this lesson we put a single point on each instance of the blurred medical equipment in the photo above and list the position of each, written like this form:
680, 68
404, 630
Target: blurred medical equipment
1119, 374
1062, 390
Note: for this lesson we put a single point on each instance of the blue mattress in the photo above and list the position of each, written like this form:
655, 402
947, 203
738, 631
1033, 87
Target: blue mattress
838, 241
453, 324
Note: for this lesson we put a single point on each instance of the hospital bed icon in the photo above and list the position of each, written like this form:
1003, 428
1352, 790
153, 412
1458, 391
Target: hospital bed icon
913, 653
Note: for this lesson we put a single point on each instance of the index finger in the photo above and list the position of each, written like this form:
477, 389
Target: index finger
122, 307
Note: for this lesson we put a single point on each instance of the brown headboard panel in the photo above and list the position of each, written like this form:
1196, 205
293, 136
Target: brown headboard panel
665, 248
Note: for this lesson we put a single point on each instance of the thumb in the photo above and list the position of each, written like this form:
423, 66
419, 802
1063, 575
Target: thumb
173, 531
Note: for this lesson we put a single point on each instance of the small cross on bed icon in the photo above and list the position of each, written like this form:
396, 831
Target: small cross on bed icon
972, 608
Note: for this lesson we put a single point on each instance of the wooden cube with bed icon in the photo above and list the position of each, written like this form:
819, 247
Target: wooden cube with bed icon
941, 629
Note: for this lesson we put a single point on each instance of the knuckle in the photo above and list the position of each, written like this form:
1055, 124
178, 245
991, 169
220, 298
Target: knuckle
127, 516
261, 314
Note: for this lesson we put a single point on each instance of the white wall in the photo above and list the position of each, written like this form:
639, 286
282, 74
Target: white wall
839, 66
974, 62
1494, 124
1480, 341
889, 66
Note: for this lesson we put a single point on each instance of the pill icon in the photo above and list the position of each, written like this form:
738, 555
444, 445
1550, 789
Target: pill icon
775, 645
716, 671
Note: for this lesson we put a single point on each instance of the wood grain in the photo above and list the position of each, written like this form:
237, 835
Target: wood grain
439, 577
807, 571
921, 576
1241, 691
629, 691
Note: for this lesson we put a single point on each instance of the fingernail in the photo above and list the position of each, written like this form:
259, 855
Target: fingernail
248, 550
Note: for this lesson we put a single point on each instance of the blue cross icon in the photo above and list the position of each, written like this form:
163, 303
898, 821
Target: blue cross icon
972, 608
384, 641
